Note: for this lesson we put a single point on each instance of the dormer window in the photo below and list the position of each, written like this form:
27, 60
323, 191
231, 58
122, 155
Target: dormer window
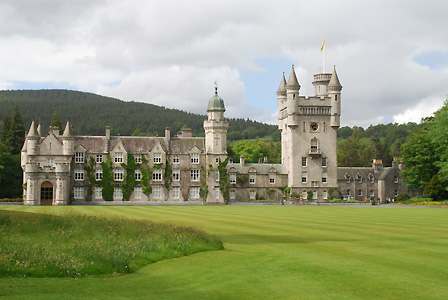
79, 157
119, 157
194, 158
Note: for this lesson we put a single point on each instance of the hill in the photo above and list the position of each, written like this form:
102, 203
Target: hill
90, 113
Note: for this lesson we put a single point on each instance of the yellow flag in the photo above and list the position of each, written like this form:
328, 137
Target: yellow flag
322, 48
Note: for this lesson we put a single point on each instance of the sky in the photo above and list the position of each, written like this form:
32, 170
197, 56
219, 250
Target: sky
391, 56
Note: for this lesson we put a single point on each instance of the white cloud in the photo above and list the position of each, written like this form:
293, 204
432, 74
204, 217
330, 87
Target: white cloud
170, 52
423, 109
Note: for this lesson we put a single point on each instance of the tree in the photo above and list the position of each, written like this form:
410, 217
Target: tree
56, 122
419, 157
16, 136
438, 135
10, 175
5, 129
435, 188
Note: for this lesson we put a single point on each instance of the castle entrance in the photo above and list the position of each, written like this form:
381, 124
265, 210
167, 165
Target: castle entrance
46, 193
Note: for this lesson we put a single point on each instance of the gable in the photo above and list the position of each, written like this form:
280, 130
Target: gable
50, 145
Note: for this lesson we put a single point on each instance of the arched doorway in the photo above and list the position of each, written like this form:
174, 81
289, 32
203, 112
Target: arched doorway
46, 193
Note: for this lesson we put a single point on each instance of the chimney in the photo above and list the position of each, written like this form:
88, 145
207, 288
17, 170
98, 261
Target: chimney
401, 166
187, 132
395, 162
55, 130
242, 160
108, 132
167, 133
378, 165
265, 160
259, 160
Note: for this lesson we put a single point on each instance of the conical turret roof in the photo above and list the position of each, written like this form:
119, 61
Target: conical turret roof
67, 131
282, 88
334, 81
293, 84
32, 132
39, 130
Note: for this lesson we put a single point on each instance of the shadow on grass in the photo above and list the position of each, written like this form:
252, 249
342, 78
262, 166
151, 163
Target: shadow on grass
259, 239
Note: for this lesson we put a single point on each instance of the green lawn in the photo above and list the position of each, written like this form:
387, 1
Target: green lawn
276, 252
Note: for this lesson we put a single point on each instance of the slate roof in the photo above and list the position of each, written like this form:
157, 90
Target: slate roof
138, 144
92, 144
262, 168
183, 145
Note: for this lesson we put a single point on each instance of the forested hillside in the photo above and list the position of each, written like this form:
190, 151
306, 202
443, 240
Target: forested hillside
90, 113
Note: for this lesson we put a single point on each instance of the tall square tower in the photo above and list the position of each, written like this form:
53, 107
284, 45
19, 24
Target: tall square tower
308, 128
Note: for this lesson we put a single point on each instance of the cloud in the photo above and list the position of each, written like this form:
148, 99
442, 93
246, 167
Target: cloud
423, 109
169, 53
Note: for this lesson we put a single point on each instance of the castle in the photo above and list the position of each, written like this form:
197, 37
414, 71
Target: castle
67, 169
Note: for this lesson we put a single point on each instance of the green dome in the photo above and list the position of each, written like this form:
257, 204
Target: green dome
216, 103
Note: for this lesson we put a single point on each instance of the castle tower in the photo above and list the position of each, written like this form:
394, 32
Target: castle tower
215, 128
32, 140
68, 140
308, 129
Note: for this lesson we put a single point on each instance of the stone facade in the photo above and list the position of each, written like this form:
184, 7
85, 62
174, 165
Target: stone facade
54, 165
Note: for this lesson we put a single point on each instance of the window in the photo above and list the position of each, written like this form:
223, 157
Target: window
396, 193
371, 178
335, 97
99, 158
325, 127
194, 175
232, 194
118, 157
314, 195
194, 192
359, 192
118, 193
395, 179
359, 178
78, 192
176, 159
217, 193
251, 178
304, 179
138, 175
324, 161
216, 175
347, 178
217, 160
252, 194
138, 192
271, 178
232, 178
50, 162
314, 146
157, 175
348, 192
194, 159
157, 158
324, 195
138, 159
79, 157
176, 192
324, 177
98, 192
118, 175
372, 194
303, 161
157, 192
98, 174
176, 174
79, 174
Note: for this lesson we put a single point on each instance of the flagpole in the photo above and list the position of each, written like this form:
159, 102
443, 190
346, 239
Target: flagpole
325, 54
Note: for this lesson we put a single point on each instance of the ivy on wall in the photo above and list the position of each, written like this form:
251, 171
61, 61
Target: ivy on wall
106, 181
146, 177
90, 176
223, 179
129, 181
168, 178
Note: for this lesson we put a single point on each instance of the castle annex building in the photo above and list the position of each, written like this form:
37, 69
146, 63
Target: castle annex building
64, 169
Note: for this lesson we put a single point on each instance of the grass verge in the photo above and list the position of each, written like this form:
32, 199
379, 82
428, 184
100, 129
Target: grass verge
42, 245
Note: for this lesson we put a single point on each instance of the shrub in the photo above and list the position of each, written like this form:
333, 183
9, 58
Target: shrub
403, 197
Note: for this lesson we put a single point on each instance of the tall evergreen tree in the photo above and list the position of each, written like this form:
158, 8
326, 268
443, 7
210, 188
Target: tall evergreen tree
56, 122
16, 136
5, 129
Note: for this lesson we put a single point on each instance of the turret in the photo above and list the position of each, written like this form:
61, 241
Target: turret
215, 126
281, 97
68, 140
32, 140
292, 96
334, 91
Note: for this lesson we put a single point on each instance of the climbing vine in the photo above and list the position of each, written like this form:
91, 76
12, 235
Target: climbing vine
223, 180
146, 177
90, 176
106, 181
203, 190
168, 178
129, 181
